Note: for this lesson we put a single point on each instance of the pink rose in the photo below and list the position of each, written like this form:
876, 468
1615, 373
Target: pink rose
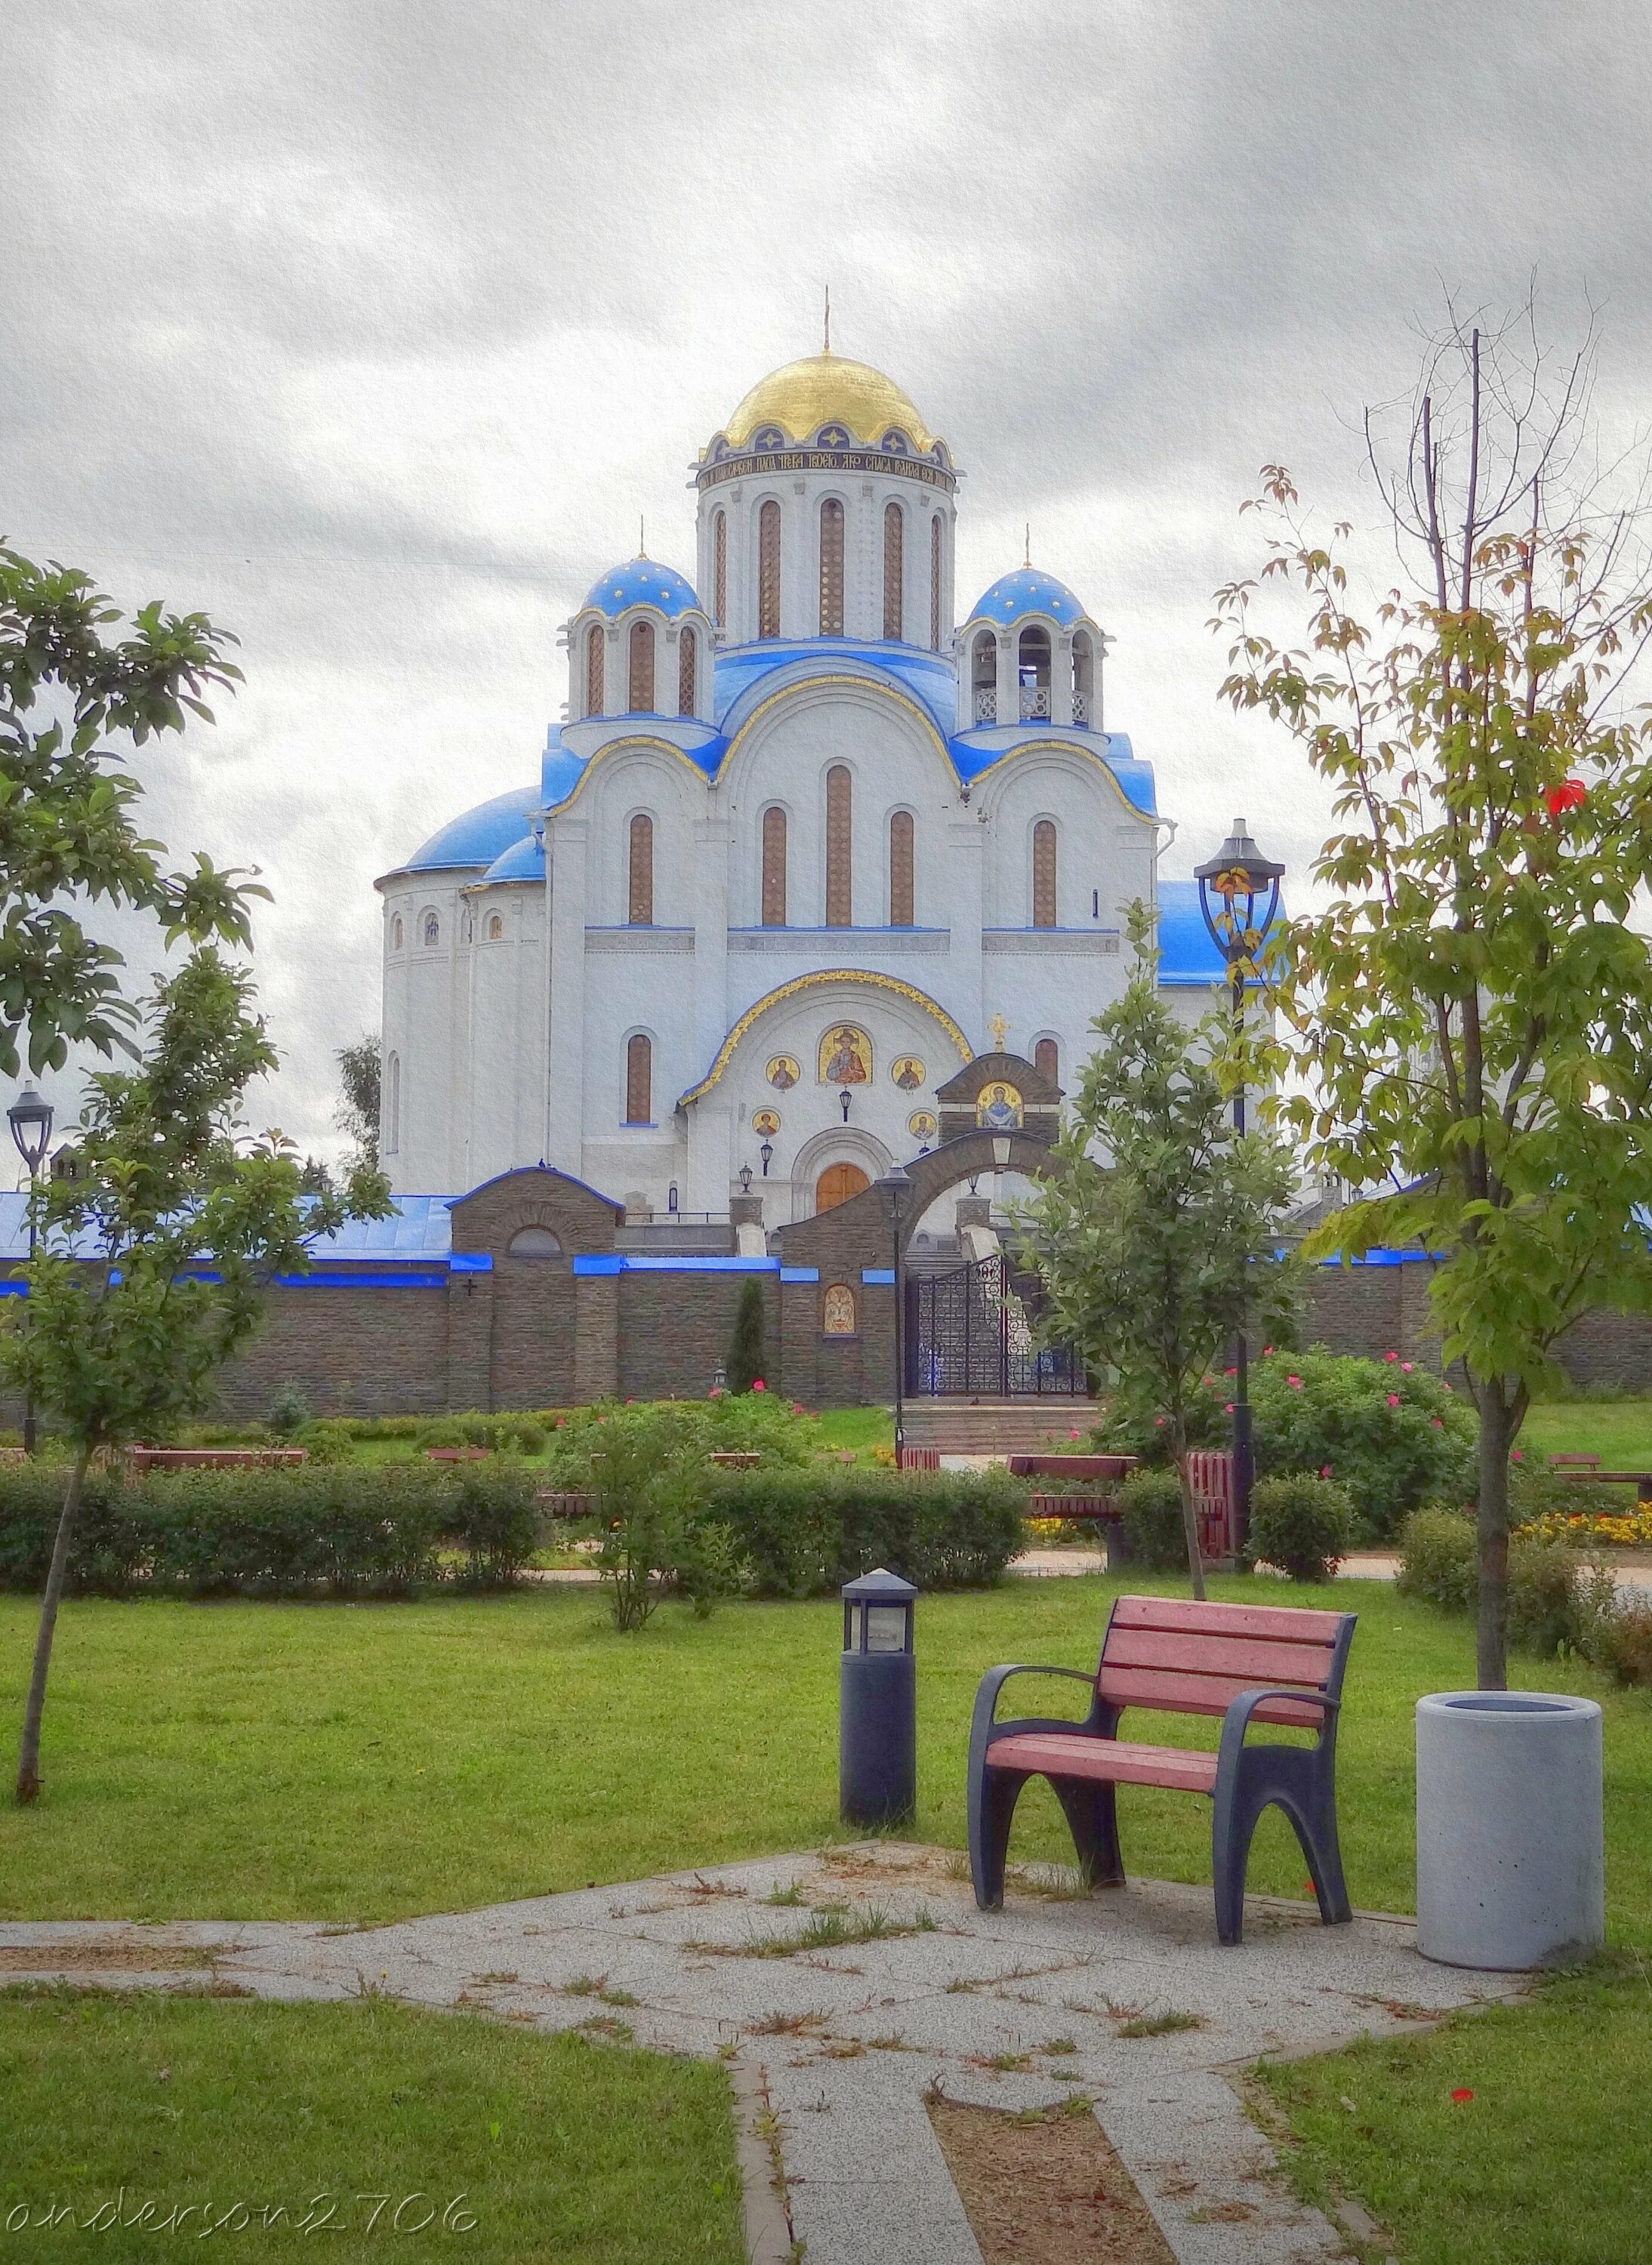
1230, 1372
1227, 1407
1295, 1383
1393, 1400
1390, 1356
1073, 1435
1325, 1470
757, 1384
1405, 1367
1266, 1350
1157, 1423
1438, 1422
716, 1393
1519, 1455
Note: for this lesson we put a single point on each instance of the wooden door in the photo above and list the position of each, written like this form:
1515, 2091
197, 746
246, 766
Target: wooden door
837, 1183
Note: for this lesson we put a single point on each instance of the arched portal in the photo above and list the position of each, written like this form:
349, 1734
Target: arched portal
836, 1184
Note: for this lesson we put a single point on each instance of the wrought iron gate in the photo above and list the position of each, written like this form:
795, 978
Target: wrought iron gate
970, 1332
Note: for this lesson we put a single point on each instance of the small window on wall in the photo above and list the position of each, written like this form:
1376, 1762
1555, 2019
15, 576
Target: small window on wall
392, 1103
639, 1079
900, 870
894, 571
831, 568
1046, 1060
432, 930
935, 583
641, 876
398, 934
595, 650
720, 568
688, 667
496, 928
838, 825
774, 869
837, 1310
642, 685
1043, 873
769, 570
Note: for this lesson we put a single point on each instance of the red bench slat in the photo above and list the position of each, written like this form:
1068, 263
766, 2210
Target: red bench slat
1274, 1623
1249, 1659
1198, 1694
1112, 1760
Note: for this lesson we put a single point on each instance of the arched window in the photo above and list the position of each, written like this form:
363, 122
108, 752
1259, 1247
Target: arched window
639, 1079
984, 677
398, 934
534, 1242
1083, 684
642, 700
900, 870
1044, 874
719, 568
392, 1103
688, 667
1046, 1060
837, 1310
431, 931
839, 814
935, 583
593, 666
640, 874
1035, 674
894, 570
769, 570
774, 869
831, 568
496, 928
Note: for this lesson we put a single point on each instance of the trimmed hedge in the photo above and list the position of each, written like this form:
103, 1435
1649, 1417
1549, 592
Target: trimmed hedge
804, 1532
387, 1530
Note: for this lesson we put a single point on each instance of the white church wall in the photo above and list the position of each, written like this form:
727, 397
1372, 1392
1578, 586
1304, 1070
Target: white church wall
502, 1106
800, 497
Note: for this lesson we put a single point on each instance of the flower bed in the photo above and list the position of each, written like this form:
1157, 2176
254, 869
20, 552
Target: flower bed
1590, 1529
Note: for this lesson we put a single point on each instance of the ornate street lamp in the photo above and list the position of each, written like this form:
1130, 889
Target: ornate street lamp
767, 1152
31, 1121
745, 1179
1239, 896
895, 1192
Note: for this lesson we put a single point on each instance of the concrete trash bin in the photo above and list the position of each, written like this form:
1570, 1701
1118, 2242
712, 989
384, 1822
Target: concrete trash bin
1511, 1868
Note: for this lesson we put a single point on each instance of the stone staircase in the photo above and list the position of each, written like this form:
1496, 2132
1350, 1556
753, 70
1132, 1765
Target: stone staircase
996, 1427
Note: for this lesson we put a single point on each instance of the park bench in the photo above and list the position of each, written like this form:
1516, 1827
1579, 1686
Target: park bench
1247, 1663
214, 1459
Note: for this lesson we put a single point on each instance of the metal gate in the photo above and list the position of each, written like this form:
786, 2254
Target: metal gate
970, 1332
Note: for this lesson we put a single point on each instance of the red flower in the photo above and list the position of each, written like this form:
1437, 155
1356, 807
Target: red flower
1295, 1383
1325, 1470
1157, 1423
1461, 2094
716, 1393
1390, 1356
1228, 1410
1566, 796
1519, 1455
757, 1384
1405, 1367
1230, 1372
1438, 1422
1393, 1400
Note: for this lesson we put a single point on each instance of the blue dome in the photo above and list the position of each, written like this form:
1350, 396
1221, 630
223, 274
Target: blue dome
560, 771
1027, 591
642, 582
481, 836
523, 861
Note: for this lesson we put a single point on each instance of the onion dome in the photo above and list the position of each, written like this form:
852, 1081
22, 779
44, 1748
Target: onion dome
642, 582
847, 402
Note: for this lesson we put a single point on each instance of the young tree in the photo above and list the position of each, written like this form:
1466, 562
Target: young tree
1154, 1235
1472, 1012
358, 1111
68, 827
746, 1361
152, 1259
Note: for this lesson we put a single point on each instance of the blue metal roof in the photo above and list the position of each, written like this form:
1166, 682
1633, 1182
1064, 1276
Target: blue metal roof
642, 582
1028, 591
523, 861
742, 669
559, 770
420, 1227
480, 835
1187, 950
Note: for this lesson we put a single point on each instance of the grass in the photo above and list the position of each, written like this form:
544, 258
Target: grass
341, 1761
1550, 2163
1618, 1431
548, 2147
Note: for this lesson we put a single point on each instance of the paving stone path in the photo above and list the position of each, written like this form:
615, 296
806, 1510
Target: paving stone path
843, 1986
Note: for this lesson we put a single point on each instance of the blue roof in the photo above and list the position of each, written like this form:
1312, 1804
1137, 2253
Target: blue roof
523, 861
481, 836
420, 1226
642, 582
559, 770
1187, 950
1028, 591
927, 675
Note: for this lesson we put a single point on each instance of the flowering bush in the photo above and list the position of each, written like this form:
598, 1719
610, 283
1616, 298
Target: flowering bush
1588, 1529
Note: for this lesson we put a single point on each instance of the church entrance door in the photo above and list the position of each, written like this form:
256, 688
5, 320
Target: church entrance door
837, 1183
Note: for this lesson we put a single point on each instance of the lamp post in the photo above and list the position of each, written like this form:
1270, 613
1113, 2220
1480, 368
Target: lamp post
895, 1192
1239, 897
31, 1121
767, 1152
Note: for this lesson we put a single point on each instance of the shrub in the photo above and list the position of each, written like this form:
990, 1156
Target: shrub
746, 1361
1300, 1524
288, 1410
1437, 1559
1391, 1433
805, 1532
326, 1440
1621, 1643
1556, 1597
648, 1478
1151, 1501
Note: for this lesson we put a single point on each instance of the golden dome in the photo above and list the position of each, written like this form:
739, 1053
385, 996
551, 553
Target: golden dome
828, 388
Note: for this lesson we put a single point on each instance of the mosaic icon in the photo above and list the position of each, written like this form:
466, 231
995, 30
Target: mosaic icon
765, 1121
909, 1073
997, 1109
845, 1056
783, 1073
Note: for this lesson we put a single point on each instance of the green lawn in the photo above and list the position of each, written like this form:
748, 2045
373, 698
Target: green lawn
336, 1761
506, 2148
1550, 2163
1620, 1432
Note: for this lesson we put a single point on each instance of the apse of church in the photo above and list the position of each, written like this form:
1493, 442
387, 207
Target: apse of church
802, 843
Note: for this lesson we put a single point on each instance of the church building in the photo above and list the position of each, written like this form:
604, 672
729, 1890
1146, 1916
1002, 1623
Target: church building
802, 845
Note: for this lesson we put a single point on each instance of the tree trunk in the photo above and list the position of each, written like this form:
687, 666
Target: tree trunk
1497, 1437
29, 1759
1190, 1527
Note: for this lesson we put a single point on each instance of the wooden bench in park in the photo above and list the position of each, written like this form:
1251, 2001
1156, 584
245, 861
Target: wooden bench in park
214, 1459
1584, 1470
1263, 1663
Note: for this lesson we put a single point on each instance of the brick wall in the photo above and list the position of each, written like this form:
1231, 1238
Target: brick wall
674, 1330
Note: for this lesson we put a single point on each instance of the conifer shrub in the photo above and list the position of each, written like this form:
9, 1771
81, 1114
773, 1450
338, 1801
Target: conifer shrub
746, 1358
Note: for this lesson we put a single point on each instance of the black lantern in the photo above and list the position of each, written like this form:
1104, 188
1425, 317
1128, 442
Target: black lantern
31, 1121
1239, 896
844, 1099
878, 1745
745, 1179
894, 1190
767, 1154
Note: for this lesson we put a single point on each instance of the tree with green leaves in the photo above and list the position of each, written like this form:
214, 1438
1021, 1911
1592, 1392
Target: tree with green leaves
1155, 1231
357, 1115
1471, 1013
747, 1360
153, 1260
69, 830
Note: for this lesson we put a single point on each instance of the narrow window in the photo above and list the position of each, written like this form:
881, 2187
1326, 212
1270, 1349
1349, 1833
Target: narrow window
393, 1104
639, 1079
594, 662
894, 569
840, 805
641, 912
1044, 874
397, 933
935, 583
496, 928
719, 568
1046, 1060
1083, 685
642, 700
687, 663
432, 930
900, 870
831, 568
774, 869
983, 677
769, 570
1034, 668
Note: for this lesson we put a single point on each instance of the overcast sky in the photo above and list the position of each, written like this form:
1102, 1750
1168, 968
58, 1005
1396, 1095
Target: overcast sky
372, 329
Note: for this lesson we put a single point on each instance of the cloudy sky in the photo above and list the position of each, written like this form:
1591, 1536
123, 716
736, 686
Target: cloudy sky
371, 329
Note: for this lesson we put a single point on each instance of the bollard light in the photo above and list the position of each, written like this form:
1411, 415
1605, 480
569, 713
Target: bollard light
878, 1748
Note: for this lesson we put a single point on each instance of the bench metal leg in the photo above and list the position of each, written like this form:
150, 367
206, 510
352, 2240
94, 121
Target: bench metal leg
992, 1797
1292, 1779
1092, 1816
